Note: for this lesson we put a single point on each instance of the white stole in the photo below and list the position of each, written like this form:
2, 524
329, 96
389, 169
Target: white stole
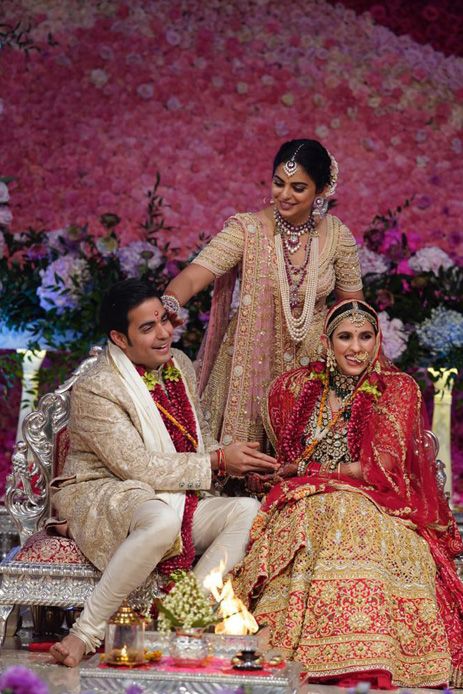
154, 431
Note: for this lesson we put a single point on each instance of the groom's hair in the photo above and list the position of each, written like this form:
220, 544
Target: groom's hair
122, 298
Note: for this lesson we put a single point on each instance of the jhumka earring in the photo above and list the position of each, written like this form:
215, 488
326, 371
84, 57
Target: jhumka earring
319, 207
330, 360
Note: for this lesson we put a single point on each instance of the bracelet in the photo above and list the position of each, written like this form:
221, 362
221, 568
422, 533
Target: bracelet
302, 467
221, 463
170, 303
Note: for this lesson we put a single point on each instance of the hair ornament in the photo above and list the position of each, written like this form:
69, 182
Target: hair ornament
334, 172
356, 314
290, 167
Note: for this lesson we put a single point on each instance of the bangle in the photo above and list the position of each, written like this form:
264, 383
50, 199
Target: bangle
170, 303
221, 463
302, 467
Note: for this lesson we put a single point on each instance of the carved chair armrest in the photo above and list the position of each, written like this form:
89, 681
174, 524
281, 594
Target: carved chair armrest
26, 498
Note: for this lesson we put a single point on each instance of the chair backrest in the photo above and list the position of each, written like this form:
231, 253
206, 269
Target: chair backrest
40, 456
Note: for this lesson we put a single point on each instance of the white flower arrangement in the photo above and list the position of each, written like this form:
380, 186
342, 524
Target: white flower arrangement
395, 338
430, 259
371, 262
186, 605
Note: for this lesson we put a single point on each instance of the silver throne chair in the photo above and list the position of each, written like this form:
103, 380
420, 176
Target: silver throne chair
47, 571
44, 570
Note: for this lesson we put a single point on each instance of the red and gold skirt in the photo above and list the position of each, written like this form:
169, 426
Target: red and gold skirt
347, 590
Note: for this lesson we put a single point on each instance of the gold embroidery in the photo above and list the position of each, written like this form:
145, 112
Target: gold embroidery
346, 589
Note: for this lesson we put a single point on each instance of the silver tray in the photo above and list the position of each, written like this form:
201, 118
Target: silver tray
102, 680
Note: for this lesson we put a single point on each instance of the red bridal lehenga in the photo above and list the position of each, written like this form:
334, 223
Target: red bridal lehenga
356, 578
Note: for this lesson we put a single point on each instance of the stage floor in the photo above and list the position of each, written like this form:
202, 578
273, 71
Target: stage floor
62, 680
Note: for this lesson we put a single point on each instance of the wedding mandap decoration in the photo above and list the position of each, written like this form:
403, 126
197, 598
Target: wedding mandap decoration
51, 283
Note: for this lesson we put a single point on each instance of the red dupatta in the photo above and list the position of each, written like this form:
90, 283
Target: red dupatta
386, 435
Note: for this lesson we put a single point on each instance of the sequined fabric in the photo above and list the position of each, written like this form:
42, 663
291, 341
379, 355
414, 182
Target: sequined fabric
346, 588
256, 346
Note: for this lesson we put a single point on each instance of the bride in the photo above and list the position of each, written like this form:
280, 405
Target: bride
351, 556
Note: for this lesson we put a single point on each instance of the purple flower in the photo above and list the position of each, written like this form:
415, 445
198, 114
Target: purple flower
19, 680
372, 262
171, 269
2, 244
4, 194
138, 257
5, 215
72, 274
134, 689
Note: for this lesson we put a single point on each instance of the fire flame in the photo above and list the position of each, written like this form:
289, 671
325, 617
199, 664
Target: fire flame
237, 620
124, 652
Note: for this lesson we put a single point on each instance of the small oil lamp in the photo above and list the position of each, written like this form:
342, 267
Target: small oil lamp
124, 640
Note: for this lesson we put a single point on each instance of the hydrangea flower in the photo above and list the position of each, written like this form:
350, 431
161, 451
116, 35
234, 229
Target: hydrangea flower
73, 275
65, 240
430, 259
371, 262
180, 329
442, 331
4, 194
6, 216
20, 680
394, 336
107, 245
139, 256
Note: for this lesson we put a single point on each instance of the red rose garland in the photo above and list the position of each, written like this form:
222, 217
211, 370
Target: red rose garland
177, 414
292, 444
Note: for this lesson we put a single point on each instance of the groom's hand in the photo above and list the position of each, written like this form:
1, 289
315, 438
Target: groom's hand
242, 458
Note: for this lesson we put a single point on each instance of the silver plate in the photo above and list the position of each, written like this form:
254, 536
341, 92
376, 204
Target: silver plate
101, 680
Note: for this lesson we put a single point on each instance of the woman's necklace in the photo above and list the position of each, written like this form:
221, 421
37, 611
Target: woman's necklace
341, 384
322, 429
291, 233
289, 286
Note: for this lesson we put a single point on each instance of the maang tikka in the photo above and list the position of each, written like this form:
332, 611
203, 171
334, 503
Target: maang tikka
290, 167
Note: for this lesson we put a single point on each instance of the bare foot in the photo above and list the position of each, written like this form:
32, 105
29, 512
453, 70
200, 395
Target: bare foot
69, 651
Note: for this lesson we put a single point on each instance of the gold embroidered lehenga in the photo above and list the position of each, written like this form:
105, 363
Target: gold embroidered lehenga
241, 356
344, 570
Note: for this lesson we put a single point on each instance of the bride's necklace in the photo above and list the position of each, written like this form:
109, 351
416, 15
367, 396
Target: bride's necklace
341, 384
291, 278
291, 233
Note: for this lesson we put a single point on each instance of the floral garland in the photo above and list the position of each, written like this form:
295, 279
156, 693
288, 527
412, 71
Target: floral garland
367, 394
292, 440
177, 414
292, 445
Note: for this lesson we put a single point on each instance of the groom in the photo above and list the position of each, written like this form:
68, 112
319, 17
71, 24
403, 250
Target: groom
133, 493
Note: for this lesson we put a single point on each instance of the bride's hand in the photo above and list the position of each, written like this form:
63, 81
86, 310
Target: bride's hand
260, 484
352, 470
288, 470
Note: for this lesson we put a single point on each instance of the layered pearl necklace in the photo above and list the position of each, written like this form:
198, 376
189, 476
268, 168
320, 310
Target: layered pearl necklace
292, 277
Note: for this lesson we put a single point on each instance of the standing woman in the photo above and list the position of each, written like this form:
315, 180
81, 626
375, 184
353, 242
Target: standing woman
289, 257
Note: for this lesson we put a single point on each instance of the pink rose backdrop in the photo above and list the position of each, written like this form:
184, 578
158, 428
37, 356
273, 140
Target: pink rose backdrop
205, 91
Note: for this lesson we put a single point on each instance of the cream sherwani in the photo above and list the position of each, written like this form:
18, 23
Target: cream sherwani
108, 471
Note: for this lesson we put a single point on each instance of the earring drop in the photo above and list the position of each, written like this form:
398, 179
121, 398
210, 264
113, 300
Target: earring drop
320, 207
330, 360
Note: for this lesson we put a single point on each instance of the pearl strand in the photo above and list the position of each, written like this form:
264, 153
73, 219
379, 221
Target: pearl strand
298, 327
